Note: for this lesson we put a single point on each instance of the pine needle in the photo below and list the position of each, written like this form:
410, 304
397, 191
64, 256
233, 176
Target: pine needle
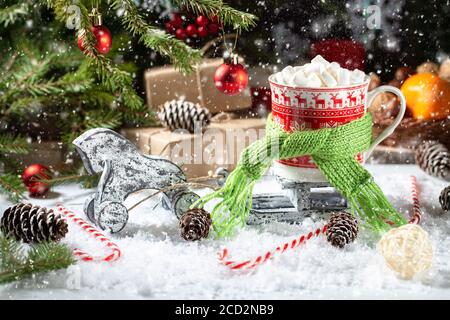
13, 144
11, 14
217, 8
16, 263
11, 185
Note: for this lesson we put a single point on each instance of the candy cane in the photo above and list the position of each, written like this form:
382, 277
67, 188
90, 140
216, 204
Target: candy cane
250, 264
116, 253
417, 212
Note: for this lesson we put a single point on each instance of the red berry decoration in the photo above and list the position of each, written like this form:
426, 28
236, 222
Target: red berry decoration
191, 30
101, 33
177, 20
31, 177
202, 21
202, 31
213, 28
231, 77
180, 34
170, 28
215, 19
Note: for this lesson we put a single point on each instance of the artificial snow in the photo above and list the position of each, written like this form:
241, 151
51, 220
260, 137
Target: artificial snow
158, 264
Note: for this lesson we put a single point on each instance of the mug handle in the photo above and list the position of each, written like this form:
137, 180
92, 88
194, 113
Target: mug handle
388, 131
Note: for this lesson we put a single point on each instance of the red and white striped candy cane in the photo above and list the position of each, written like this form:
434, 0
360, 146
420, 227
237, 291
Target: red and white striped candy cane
116, 253
417, 212
250, 264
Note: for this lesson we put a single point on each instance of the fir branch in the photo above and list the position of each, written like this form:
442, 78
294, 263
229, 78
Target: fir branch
99, 119
225, 14
118, 81
11, 14
86, 180
17, 264
10, 143
11, 185
53, 88
111, 77
181, 55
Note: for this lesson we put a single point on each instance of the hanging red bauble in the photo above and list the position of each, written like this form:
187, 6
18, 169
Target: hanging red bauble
231, 77
101, 33
202, 21
191, 30
32, 176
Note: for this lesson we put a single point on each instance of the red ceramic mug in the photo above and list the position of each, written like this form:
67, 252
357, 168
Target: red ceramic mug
303, 108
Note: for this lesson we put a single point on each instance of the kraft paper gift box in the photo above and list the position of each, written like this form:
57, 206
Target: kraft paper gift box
200, 154
165, 83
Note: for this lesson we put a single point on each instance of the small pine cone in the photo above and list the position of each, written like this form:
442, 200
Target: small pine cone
195, 224
444, 199
180, 114
434, 158
33, 224
342, 229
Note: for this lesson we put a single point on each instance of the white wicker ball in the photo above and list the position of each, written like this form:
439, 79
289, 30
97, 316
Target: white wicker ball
407, 250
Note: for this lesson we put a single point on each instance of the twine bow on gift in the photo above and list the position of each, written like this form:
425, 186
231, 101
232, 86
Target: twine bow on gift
334, 152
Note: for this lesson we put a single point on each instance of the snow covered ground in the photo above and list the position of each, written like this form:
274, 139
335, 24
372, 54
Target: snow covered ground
158, 264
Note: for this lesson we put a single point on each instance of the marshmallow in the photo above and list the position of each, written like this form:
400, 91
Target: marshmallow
319, 73
289, 70
314, 80
300, 79
357, 76
288, 75
320, 60
313, 68
278, 77
327, 79
334, 68
343, 77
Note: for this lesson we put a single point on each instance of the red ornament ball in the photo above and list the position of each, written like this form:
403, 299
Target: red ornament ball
231, 78
31, 176
103, 37
202, 31
180, 34
202, 21
191, 30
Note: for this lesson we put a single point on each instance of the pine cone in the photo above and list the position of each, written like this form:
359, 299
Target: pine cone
342, 229
434, 158
195, 224
33, 224
180, 114
444, 199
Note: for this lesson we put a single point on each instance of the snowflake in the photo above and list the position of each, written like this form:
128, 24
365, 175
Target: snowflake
279, 121
296, 126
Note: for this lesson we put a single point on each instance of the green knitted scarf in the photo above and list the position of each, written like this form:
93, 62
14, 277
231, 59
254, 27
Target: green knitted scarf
333, 151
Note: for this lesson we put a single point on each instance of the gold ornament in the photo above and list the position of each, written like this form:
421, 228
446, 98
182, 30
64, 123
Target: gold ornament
407, 250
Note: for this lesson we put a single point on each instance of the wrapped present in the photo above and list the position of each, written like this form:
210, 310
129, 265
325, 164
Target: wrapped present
166, 83
200, 154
